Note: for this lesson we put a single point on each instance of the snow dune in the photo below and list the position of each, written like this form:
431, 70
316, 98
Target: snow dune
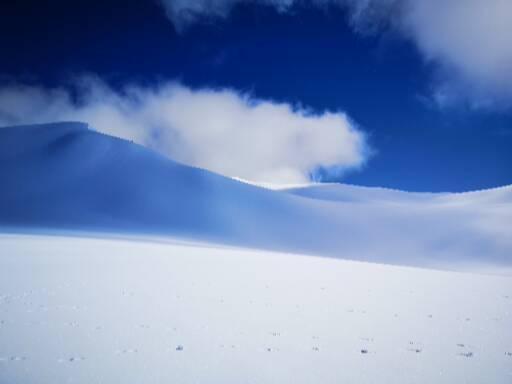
118, 265
65, 176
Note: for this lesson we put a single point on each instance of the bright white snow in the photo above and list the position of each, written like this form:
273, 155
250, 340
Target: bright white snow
79, 310
136, 269
68, 177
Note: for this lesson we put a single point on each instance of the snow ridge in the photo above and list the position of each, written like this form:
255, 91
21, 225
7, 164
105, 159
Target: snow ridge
64, 176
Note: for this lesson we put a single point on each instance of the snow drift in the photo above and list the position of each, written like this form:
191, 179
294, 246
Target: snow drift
65, 176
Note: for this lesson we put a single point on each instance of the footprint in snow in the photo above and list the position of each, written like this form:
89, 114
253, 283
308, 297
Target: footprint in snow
467, 354
414, 347
17, 358
126, 351
71, 359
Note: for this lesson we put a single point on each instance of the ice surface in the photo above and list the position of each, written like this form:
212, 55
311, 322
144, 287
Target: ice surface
78, 310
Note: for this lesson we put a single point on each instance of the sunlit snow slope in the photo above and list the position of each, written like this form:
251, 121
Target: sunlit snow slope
67, 177
87, 311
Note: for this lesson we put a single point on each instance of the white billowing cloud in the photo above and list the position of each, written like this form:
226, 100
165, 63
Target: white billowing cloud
470, 40
221, 130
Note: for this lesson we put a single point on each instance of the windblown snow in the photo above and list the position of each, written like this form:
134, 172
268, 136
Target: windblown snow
68, 177
118, 265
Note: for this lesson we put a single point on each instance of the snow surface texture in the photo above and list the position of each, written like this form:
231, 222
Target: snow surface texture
177, 297
78, 310
68, 177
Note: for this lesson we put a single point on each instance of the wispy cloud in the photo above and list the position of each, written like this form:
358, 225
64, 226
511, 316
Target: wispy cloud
469, 40
218, 129
184, 13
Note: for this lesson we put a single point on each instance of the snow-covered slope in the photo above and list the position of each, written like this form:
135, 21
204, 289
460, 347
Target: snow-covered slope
353, 193
68, 177
91, 308
86, 311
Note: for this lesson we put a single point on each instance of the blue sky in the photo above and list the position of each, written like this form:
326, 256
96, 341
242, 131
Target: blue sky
310, 57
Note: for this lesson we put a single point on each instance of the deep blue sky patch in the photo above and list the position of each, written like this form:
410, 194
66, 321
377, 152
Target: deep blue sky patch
307, 57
